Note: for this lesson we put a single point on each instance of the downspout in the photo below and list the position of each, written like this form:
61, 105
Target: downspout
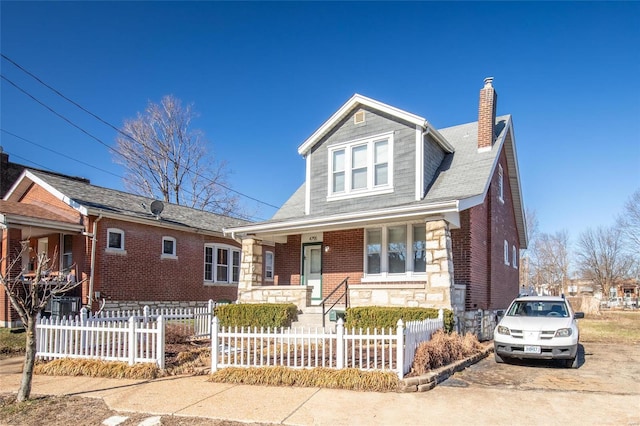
93, 258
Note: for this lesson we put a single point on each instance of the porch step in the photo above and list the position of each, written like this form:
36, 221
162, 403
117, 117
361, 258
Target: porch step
311, 316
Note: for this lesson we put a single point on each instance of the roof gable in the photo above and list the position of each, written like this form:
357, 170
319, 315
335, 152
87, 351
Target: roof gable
359, 100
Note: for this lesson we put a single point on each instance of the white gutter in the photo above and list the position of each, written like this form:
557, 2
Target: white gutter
346, 219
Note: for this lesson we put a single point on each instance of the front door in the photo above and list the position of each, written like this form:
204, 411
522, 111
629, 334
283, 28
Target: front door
312, 269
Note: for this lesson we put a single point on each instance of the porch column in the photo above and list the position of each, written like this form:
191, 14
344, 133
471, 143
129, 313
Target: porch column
439, 264
250, 268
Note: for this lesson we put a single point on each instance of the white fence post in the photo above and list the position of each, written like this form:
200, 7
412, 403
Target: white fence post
161, 336
133, 344
214, 344
400, 348
340, 355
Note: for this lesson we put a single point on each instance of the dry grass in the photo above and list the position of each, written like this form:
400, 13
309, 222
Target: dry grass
611, 327
443, 349
97, 368
349, 378
11, 343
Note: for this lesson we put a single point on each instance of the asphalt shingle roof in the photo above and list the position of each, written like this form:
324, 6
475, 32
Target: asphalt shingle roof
97, 199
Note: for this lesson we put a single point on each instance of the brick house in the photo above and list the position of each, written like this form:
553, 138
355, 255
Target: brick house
131, 250
410, 214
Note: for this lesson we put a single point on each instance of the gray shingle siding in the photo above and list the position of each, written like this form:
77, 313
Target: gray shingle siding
403, 163
433, 156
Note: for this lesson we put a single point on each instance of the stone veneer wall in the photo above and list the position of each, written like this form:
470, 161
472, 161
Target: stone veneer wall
479, 322
126, 305
436, 292
250, 288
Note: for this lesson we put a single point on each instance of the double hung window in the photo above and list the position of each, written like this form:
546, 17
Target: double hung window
361, 167
221, 264
397, 250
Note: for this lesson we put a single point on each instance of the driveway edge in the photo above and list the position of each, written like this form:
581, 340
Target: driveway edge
428, 381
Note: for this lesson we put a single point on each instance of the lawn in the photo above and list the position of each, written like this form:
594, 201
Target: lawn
611, 327
11, 344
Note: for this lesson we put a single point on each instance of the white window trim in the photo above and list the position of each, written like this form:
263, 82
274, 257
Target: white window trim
118, 250
173, 255
500, 184
370, 189
269, 267
506, 252
514, 255
384, 275
214, 269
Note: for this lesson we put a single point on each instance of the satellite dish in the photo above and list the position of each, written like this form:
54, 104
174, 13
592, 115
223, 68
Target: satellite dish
156, 208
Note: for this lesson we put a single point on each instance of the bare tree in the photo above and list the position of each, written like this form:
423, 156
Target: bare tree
602, 258
551, 261
526, 271
29, 297
165, 158
629, 223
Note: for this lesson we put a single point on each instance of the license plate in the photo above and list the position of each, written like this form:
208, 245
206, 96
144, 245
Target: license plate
532, 349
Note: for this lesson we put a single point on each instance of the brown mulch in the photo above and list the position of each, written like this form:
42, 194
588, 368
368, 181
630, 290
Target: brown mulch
78, 411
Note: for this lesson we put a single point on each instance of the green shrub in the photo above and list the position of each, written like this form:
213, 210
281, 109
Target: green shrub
387, 317
257, 315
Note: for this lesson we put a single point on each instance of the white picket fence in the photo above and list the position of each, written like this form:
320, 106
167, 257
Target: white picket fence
390, 349
195, 321
131, 341
132, 336
139, 336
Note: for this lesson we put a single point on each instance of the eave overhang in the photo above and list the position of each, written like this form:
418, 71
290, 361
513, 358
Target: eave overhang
274, 230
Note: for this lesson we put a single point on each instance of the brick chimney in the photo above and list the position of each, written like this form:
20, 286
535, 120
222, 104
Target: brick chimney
487, 115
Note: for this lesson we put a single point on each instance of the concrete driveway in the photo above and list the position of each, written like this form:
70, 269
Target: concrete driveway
604, 389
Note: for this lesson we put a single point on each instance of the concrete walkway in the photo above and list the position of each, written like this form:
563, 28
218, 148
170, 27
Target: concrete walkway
194, 396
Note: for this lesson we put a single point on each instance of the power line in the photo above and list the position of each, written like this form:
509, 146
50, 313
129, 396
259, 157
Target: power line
60, 154
113, 127
43, 167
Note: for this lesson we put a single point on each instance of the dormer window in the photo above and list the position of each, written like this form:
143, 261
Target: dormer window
361, 167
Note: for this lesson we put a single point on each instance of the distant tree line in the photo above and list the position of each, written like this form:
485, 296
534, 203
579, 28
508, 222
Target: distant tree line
606, 255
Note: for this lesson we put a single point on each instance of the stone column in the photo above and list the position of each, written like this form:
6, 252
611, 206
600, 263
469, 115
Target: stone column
439, 264
250, 268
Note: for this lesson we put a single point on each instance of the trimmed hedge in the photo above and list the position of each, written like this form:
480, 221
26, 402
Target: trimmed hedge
382, 317
257, 315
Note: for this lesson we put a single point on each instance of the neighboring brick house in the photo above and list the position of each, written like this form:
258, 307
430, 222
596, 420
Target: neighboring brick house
128, 255
413, 216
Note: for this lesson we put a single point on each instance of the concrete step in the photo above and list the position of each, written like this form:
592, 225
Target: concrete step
312, 317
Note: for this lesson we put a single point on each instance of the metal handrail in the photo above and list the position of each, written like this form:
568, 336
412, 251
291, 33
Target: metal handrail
345, 295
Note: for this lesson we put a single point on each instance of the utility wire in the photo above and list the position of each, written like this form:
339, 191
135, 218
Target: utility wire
60, 154
43, 167
112, 126
239, 216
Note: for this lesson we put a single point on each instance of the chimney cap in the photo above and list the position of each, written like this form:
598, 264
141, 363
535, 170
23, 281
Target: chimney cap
488, 81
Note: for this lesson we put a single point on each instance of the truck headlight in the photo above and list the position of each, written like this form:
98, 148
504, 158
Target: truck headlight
503, 330
563, 332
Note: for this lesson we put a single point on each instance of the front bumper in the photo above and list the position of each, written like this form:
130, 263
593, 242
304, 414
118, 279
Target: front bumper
546, 352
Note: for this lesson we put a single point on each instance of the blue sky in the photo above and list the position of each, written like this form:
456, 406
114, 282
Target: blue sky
264, 76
